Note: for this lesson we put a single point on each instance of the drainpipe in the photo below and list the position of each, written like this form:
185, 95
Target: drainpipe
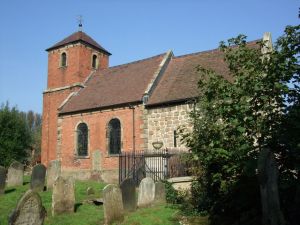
133, 127
133, 141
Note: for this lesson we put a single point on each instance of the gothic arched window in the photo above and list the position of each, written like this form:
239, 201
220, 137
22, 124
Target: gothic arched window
94, 62
82, 139
63, 59
114, 137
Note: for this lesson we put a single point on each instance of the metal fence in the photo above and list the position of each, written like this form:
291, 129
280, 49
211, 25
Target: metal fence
157, 164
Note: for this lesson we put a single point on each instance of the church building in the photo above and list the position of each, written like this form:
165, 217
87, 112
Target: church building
93, 112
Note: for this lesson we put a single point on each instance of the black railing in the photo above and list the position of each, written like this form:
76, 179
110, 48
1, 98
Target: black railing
157, 164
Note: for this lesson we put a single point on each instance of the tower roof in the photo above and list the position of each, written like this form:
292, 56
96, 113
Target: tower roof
76, 37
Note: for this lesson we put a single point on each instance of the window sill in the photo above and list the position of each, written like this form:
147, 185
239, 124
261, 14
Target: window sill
81, 157
112, 156
62, 67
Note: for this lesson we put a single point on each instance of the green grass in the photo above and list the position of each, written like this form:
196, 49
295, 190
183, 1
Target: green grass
86, 214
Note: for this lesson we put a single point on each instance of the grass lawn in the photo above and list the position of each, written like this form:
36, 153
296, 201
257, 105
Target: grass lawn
86, 213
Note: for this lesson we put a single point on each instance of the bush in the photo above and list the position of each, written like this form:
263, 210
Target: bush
172, 195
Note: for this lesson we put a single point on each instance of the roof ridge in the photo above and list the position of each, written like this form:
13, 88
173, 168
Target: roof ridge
81, 37
197, 53
133, 62
212, 50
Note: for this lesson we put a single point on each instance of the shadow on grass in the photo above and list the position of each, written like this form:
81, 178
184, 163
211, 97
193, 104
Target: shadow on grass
10, 190
77, 205
25, 182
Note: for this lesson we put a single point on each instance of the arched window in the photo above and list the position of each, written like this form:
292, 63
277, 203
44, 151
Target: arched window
82, 139
114, 137
94, 61
63, 59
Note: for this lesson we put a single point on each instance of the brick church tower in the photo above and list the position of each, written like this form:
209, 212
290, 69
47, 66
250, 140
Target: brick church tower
70, 62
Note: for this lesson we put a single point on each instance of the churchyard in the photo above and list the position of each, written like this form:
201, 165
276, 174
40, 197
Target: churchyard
26, 198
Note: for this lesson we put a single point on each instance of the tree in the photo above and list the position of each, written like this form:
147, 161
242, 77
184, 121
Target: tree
234, 120
15, 136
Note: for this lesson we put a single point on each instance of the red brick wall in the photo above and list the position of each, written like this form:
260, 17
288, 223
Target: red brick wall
97, 123
51, 102
79, 67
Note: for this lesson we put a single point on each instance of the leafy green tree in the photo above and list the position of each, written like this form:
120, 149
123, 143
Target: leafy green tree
15, 136
235, 119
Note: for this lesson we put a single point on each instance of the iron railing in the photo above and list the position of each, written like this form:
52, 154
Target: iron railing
157, 164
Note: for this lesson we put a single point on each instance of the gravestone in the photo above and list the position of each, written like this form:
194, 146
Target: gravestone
269, 194
96, 160
29, 210
15, 174
3, 173
146, 192
113, 205
63, 196
53, 171
128, 194
90, 191
160, 193
38, 175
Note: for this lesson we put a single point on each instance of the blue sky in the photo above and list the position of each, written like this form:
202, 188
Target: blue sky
130, 30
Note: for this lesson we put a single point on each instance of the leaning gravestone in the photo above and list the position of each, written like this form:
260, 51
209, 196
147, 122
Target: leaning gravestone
128, 194
3, 173
160, 193
15, 174
29, 210
146, 192
53, 171
113, 205
37, 182
63, 196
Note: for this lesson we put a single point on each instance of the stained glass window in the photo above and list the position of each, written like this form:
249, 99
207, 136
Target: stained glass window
82, 139
114, 136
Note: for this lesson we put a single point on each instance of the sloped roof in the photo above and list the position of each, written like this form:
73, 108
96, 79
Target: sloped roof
180, 80
127, 83
114, 86
76, 37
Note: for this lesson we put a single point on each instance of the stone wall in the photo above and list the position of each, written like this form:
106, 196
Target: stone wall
163, 121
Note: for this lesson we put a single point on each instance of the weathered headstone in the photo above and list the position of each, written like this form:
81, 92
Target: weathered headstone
15, 174
38, 175
3, 173
53, 171
160, 193
113, 205
96, 160
128, 194
63, 196
29, 210
146, 192
268, 180
90, 191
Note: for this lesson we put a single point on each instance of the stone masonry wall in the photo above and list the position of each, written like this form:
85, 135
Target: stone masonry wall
163, 121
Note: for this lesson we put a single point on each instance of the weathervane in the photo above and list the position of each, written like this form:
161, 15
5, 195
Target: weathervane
80, 20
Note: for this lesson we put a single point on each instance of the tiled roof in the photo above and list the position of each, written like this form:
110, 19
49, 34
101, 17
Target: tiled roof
115, 86
127, 83
78, 36
180, 80
181, 77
